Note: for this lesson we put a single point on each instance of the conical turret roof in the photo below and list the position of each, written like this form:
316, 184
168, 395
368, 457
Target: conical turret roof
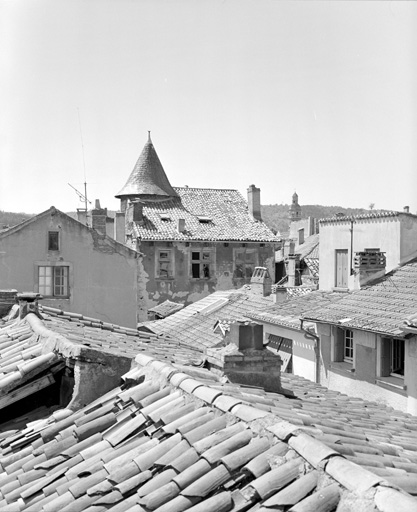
148, 177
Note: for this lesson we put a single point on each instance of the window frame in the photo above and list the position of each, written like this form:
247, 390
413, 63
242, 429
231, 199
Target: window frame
58, 279
348, 346
57, 240
245, 250
201, 261
170, 260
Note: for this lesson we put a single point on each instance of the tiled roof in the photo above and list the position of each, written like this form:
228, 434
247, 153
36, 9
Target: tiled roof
288, 313
308, 249
174, 443
209, 214
111, 339
148, 177
166, 308
24, 369
194, 324
380, 307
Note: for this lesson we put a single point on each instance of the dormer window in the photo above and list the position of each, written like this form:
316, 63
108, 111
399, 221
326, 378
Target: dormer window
205, 220
53, 240
164, 217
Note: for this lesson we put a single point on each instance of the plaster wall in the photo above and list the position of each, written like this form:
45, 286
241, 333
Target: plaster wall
303, 360
181, 287
383, 233
408, 247
364, 390
102, 279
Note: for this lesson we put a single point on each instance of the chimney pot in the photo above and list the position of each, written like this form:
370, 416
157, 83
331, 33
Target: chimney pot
406, 209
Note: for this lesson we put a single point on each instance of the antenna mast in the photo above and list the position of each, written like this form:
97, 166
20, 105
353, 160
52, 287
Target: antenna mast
83, 197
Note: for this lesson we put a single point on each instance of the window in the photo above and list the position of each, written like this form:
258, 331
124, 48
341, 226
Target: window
53, 281
341, 268
348, 346
164, 264
392, 357
53, 241
300, 236
201, 264
245, 262
344, 346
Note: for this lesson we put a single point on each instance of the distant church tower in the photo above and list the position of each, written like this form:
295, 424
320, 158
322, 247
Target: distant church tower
295, 208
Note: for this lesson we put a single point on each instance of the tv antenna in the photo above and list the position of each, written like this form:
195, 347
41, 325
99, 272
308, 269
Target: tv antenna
83, 197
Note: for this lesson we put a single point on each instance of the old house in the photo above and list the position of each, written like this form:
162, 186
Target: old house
74, 267
195, 241
366, 348
355, 249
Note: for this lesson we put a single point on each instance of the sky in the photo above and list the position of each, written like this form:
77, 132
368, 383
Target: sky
317, 97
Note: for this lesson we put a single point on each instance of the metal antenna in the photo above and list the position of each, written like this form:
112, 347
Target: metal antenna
83, 197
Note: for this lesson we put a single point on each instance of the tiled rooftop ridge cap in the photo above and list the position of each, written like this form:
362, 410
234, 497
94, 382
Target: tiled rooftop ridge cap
364, 216
351, 476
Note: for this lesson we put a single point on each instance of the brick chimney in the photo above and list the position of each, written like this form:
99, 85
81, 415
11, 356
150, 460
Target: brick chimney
254, 202
99, 216
261, 282
244, 360
368, 265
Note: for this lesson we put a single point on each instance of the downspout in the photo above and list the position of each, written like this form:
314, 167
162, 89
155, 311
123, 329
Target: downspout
311, 336
351, 247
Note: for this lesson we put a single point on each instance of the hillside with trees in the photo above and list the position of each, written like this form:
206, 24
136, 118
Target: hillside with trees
9, 219
276, 215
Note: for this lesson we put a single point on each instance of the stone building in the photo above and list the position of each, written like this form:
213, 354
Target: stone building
195, 241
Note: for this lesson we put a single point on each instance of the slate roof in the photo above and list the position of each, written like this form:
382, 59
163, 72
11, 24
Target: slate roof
289, 312
195, 324
210, 215
148, 177
166, 441
380, 307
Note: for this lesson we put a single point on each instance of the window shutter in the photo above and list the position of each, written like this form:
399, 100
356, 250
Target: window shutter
338, 345
385, 357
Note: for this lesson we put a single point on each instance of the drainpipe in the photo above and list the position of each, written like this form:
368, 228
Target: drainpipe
311, 336
351, 247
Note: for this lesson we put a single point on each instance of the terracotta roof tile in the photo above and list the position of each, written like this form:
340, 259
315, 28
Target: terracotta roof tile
226, 209
380, 307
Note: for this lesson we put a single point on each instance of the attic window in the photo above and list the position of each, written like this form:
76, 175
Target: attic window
164, 217
53, 241
214, 306
205, 220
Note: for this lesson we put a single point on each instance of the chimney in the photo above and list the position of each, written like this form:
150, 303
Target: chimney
406, 209
254, 202
28, 303
123, 205
245, 360
181, 225
368, 265
119, 227
292, 268
99, 216
261, 282
137, 211
279, 294
82, 216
